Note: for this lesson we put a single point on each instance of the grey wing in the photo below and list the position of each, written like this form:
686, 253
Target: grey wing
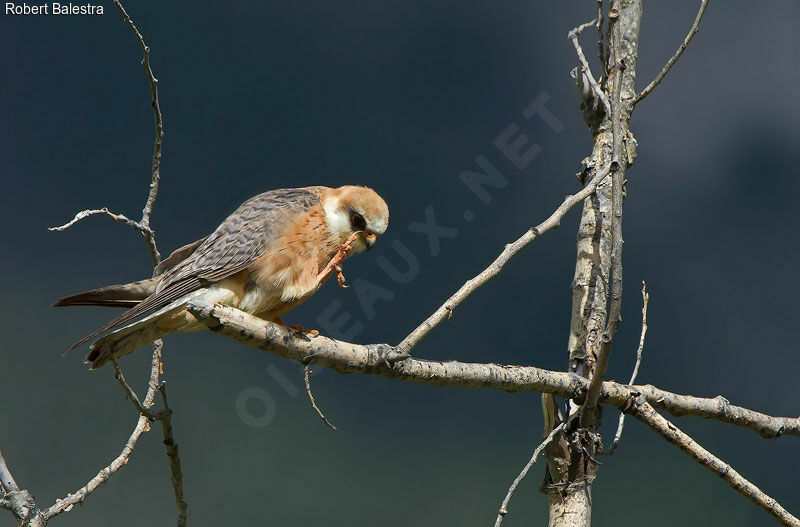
241, 239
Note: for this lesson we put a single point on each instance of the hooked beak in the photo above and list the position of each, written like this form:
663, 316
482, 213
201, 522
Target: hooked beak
369, 240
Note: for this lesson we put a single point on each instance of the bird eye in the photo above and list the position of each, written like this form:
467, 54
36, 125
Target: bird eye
357, 222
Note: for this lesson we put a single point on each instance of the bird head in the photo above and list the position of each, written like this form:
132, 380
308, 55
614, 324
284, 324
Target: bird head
356, 210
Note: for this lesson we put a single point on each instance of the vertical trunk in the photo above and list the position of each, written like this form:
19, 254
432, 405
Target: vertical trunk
573, 508
571, 464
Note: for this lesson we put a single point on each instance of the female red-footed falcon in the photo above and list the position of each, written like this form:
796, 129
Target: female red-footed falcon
270, 255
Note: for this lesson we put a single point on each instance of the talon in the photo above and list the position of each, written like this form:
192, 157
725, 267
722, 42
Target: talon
301, 329
298, 328
340, 277
335, 264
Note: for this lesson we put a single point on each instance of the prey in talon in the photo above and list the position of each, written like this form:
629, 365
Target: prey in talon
270, 255
335, 264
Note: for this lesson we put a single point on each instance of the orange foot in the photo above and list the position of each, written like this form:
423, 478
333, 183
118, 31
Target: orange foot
312, 332
340, 279
335, 265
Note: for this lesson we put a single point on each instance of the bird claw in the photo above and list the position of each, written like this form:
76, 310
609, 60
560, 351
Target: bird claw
301, 329
335, 265
298, 328
340, 277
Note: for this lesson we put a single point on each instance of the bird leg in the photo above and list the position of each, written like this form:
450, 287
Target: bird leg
335, 265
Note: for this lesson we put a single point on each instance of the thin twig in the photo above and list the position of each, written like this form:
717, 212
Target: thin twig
375, 359
159, 124
601, 54
671, 62
645, 413
585, 69
640, 348
171, 448
445, 311
504, 506
639, 351
311, 398
144, 229
131, 395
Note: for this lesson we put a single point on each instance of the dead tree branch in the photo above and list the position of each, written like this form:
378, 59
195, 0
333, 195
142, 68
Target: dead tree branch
159, 124
145, 230
171, 449
635, 373
7, 482
387, 361
617, 176
18, 501
601, 53
445, 311
645, 413
671, 62
307, 382
585, 69
164, 417
142, 425
501, 513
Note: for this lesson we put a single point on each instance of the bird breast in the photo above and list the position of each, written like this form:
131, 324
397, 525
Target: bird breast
288, 271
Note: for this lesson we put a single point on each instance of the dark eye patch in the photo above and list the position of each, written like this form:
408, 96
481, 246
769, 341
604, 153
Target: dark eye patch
357, 221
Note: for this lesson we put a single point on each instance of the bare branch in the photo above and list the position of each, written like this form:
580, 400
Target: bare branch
142, 425
131, 395
639, 351
164, 417
7, 481
645, 413
446, 310
18, 501
142, 225
311, 398
640, 348
159, 124
671, 62
144, 229
23, 507
504, 506
171, 448
585, 69
388, 361
601, 53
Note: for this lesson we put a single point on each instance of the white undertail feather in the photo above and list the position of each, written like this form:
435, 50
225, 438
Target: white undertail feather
133, 336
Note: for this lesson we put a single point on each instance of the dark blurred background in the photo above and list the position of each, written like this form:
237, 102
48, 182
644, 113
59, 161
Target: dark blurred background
400, 96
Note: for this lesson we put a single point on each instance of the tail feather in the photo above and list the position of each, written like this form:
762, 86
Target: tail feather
122, 295
128, 295
127, 339
122, 342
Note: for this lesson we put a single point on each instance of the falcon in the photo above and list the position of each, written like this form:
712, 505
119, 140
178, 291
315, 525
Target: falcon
270, 255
